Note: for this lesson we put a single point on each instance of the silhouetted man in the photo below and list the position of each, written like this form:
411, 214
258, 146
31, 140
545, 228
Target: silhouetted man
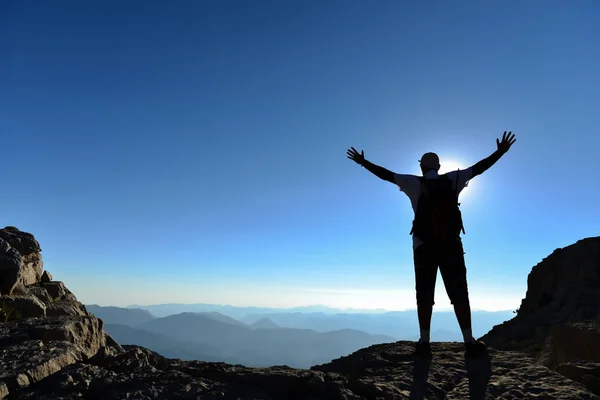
436, 235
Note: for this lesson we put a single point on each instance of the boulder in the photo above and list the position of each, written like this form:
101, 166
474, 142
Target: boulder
66, 307
20, 259
564, 287
57, 291
25, 306
33, 349
11, 268
41, 293
46, 277
576, 341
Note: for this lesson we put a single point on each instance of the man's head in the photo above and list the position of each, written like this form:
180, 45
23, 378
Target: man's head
429, 162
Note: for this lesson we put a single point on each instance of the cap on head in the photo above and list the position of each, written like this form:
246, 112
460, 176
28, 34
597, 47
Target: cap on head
430, 160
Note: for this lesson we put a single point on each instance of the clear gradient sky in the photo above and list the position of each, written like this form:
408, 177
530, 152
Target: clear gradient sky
195, 151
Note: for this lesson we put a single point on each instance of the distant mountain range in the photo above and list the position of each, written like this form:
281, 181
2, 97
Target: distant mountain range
264, 323
122, 316
402, 325
163, 310
212, 336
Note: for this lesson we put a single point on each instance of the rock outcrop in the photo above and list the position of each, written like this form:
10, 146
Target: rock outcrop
51, 347
558, 321
43, 328
20, 259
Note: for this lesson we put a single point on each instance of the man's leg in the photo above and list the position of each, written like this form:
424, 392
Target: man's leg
425, 277
424, 312
463, 315
454, 274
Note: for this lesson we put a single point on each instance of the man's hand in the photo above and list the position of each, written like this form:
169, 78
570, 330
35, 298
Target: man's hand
355, 156
507, 141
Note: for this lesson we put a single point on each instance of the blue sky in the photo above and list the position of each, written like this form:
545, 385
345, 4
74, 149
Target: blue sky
195, 151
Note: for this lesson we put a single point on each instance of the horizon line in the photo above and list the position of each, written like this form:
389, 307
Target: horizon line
362, 310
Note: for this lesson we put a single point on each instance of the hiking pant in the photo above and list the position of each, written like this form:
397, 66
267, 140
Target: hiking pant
451, 261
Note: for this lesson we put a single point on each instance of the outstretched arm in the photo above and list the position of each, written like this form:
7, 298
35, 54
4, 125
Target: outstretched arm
376, 170
503, 147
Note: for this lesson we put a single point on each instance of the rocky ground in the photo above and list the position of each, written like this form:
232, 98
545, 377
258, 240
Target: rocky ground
52, 348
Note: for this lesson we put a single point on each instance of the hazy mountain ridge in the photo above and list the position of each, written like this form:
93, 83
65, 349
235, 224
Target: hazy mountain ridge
163, 310
402, 325
296, 339
215, 337
264, 323
167, 346
121, 316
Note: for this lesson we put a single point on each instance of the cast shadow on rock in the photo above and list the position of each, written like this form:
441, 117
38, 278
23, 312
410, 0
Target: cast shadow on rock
479, 372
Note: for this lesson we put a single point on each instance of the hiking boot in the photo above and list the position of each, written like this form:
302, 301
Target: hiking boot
476, 349
423, 349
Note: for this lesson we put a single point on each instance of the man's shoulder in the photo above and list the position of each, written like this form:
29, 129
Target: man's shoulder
404, 178
407, 183
465, 174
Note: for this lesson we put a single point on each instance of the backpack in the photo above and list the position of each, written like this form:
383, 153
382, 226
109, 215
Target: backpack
438, 217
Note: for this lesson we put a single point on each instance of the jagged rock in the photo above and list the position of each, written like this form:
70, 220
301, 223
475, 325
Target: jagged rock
46, 277
83, 332
66, 307
20, 259
31, 361
41, 293
57, 291
559, 318
11, 267
574, 351
575, 370
33, 349
564, 287
25, 306
576, 341
111, 349
20, 290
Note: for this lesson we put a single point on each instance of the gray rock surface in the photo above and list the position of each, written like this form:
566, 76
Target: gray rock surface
27, 306
558, 322
563, 288
20, 259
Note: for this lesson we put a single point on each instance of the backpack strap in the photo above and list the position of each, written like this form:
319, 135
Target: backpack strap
421, 182
456, 191
456, 187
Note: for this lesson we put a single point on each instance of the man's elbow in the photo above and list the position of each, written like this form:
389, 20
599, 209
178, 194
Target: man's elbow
389, 176
476, 170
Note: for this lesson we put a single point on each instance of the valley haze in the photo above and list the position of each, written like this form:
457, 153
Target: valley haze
256, 336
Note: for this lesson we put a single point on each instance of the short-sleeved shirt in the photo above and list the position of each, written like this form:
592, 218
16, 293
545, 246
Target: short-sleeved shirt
411, 186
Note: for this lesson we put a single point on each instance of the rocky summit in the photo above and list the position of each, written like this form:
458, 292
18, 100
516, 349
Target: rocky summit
51, 347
